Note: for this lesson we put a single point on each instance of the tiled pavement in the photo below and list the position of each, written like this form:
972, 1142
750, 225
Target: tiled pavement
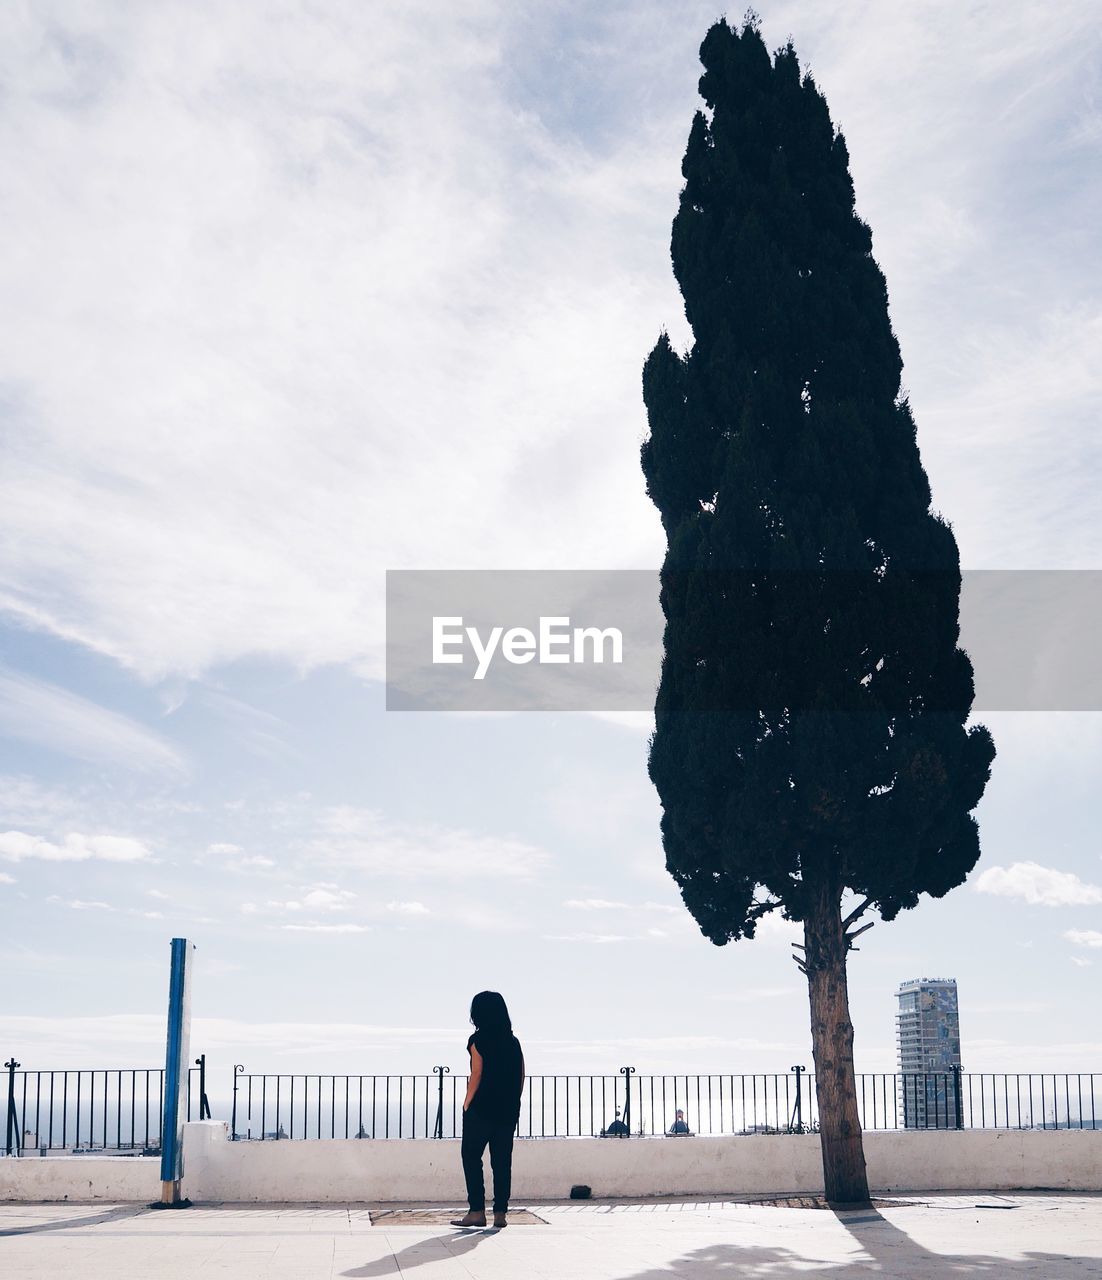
1047, 1236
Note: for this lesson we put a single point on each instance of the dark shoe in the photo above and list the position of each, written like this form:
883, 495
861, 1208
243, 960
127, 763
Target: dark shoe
499, 1221
470, 1219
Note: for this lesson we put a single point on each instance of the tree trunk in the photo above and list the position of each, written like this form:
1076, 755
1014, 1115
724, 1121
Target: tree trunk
832, 1048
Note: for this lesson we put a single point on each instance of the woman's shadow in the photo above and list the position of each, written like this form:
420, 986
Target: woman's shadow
421, 1251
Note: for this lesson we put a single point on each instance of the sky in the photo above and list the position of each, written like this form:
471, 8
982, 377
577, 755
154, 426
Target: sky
299, 294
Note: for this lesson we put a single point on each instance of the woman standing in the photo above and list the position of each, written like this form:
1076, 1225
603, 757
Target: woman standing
491, 1108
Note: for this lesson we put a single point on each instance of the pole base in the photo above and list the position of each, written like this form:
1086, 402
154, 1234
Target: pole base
170, 1196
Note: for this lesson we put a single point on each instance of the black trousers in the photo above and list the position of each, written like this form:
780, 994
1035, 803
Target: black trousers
478, 1133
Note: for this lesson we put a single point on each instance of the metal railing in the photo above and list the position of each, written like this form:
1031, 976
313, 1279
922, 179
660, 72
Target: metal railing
120, 1109
272, 1107
292, 1106
113, 1109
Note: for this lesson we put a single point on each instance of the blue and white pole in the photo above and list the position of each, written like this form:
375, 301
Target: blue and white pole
177, 1056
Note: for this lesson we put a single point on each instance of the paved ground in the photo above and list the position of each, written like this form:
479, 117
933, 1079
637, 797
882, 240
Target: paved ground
1050, 1237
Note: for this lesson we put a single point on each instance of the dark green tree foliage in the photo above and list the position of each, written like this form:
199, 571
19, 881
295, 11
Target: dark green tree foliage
810, 722
780, 444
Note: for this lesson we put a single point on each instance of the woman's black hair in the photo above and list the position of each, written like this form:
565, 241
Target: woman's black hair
489, 1013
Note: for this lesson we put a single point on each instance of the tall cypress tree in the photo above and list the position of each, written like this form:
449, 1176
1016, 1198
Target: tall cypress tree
810, 725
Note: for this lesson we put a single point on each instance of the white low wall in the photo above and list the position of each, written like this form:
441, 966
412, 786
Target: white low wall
80, 1178
545, 1169
988, 1159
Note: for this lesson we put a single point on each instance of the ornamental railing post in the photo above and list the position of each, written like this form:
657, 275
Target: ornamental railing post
798, 1113
440, 1073
204, 1105
958, 1097
627, 1073
238, 1068
14, 1139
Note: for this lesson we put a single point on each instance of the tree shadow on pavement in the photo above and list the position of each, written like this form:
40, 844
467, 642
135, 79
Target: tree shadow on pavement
880, 1248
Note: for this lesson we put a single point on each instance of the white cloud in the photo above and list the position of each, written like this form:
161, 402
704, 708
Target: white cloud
17, 846
655, 1048
314, 927
1084, 937
258, 732
485, 917
156, 893
611, 904
6, 879
641, 722
31, 802
139, 1038
648, 935
1080, 962
596, 904
1018, 1007
602, 938
318, 897
1039, 886
325, 898
365, 840
47, 715
78, 904
751, 995
408, 908
775, 928
995, 1055
234, 858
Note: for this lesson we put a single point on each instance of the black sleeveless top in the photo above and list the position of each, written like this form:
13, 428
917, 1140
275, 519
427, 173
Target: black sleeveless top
498, 1096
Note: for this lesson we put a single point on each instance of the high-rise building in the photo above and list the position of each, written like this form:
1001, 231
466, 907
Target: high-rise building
928, 1034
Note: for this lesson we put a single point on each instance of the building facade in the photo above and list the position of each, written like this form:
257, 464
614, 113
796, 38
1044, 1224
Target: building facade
928, 1036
